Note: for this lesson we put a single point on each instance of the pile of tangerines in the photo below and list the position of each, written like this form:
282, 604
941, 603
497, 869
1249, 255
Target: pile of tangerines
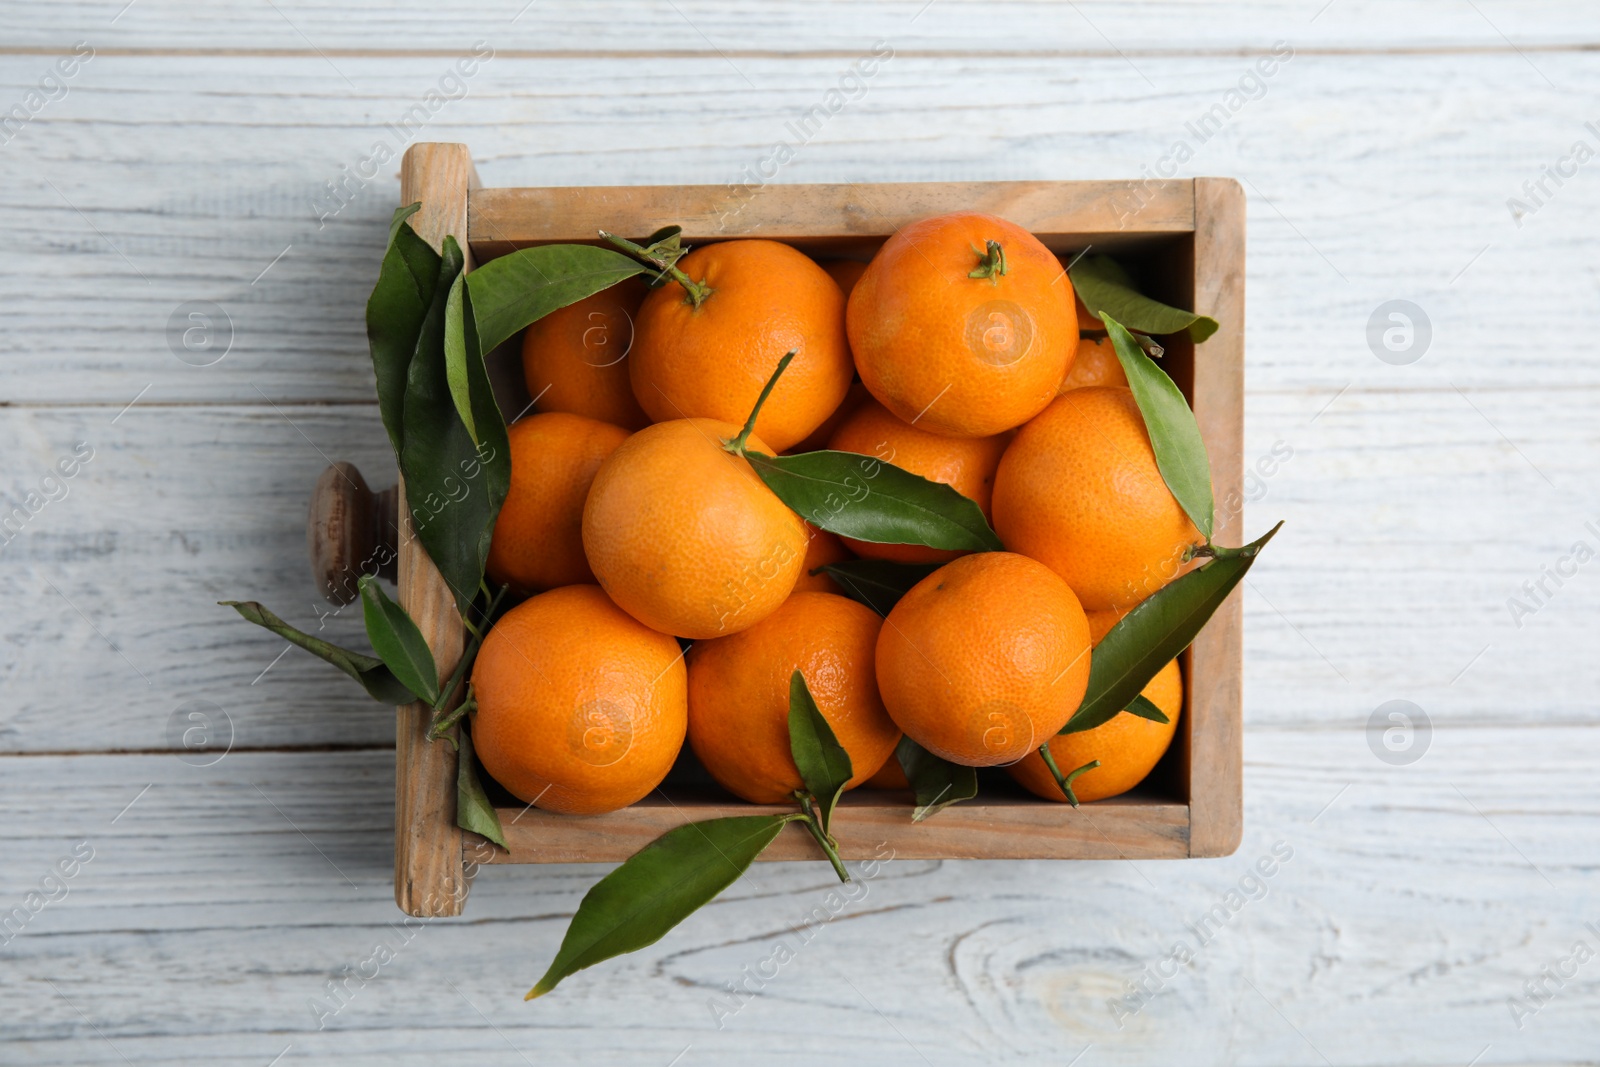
959, 353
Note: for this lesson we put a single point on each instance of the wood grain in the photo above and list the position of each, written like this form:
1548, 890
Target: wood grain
827, 218
1212, 750
1014, 828
209, 919
712, 29
429, 879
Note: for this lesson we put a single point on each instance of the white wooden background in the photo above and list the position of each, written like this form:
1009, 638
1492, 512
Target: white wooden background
180, 166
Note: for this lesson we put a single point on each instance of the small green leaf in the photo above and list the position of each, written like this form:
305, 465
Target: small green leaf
454, 488
455, 354
1145, 708
870, 500
473, 810
1174, 434
938, 783
1104, 286
379, 682
823, 762
1154, 632
878, 583
528, 284
395, 311
657, 888
397, 641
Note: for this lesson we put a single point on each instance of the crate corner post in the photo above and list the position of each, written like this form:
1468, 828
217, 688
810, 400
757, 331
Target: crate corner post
1216, 714
430, 873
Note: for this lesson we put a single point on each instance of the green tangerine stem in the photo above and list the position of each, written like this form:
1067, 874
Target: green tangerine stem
697, 291
830, 848
737, 445
1065, 781
1148, 343
991, 263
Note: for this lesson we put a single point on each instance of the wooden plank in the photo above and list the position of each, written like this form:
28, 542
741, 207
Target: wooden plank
429, 879
842, 28
999, 828
1213, 736
826, 217
290, 126
1377, 920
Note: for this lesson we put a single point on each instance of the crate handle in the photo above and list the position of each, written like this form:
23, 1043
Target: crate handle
350, 531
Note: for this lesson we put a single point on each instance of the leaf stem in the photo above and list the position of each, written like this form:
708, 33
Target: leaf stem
1065, 781
440, 726
813, 821
991, 263
470, 653
736, 445
697, 291
1149, 344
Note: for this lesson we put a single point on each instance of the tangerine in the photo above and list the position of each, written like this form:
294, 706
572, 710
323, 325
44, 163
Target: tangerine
963, 324
580, 708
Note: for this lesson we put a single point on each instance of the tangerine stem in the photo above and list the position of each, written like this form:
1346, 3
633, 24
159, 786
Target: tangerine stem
736, 445
697, 291
991, 263
1065, 781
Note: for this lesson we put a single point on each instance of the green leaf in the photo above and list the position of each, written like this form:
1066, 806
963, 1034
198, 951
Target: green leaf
1104, 286
878, 583
657, 888
395, 311
938, 783
1174, 434
397, 641
823, 762
473, 810
455, 354
379, 682
1154, 632
528, 284
870, 500
454, 487
1145, 708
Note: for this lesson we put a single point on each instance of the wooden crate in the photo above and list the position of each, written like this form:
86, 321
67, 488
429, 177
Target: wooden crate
1191, 235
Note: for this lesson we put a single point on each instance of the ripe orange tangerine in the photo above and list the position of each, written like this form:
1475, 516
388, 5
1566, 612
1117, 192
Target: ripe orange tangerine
963, 325
581, 709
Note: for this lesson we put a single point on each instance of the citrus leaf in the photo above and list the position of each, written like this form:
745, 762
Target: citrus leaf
1103, 286
878, 583
395, 310
1145, 708
1174, 434
379, 682
657, 888
528, 284
454, 488
824, 764
397, 641
473, 810
870, 500
937, 782
1153, 633
455, 355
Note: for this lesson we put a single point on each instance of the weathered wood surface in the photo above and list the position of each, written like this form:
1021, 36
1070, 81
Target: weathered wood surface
1415, 903
1419, 498
752, 28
